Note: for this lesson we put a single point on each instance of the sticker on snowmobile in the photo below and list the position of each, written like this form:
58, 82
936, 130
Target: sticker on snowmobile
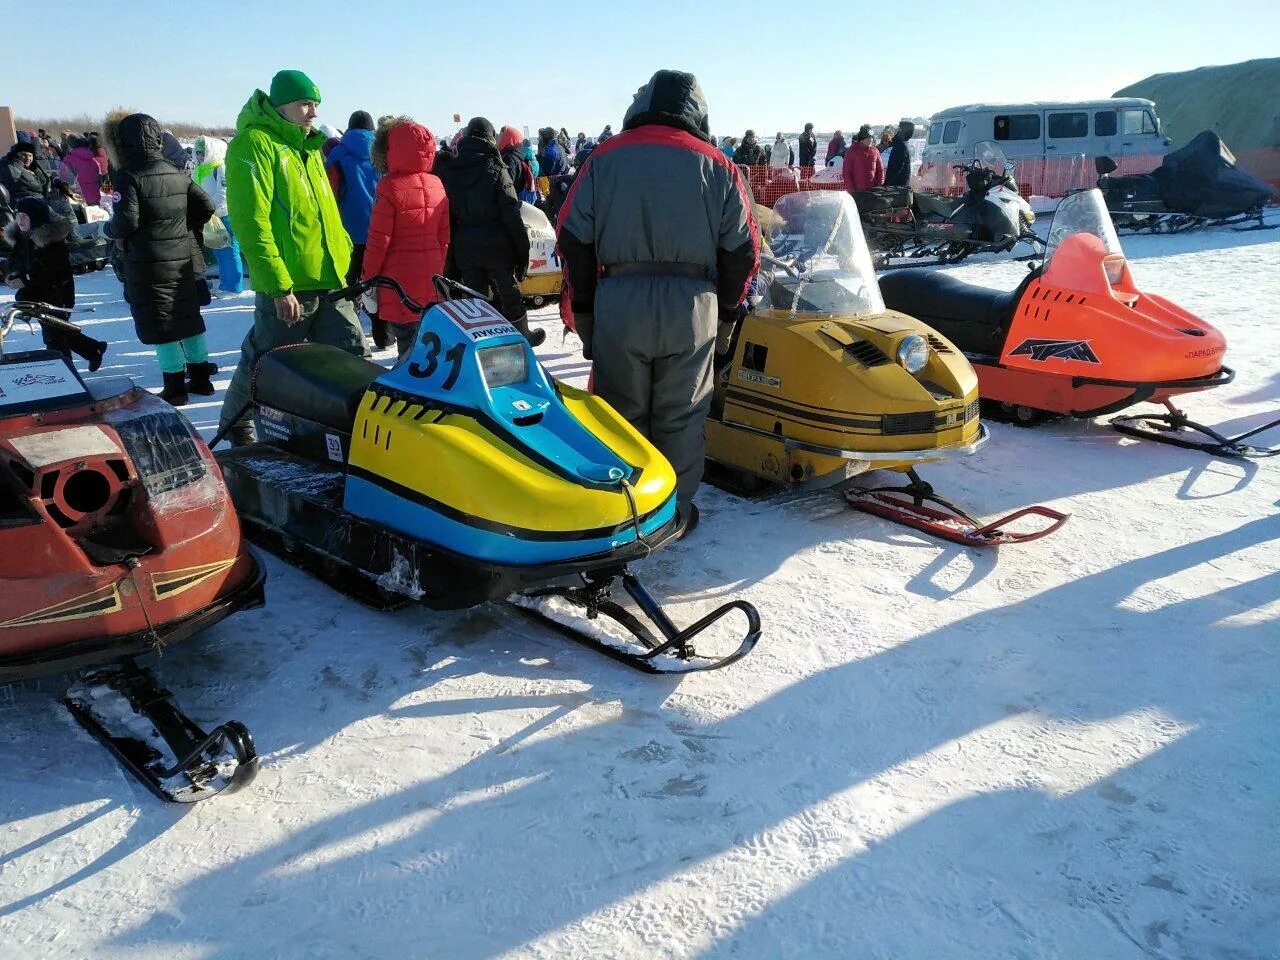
36, 381
1042, 350
477, 318
759, 378
333, 446
57, 446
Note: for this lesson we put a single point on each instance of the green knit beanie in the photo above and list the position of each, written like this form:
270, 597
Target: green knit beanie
290, 85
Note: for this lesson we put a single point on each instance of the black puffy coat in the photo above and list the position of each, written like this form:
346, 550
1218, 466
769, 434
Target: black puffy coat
42, 261
750, 153
484, 211
157, 215
23, 181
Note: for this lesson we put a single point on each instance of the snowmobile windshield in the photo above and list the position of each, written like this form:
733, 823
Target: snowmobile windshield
1083, 212
823, 265
989, 155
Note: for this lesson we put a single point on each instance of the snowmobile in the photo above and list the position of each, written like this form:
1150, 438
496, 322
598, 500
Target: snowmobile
1196, 186
544, 280
117, 539
90, 248
1077, 337
990, 217
461, 475
819, 383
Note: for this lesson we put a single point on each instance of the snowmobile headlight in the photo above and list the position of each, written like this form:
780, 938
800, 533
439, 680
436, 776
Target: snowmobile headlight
504, 365
913, 353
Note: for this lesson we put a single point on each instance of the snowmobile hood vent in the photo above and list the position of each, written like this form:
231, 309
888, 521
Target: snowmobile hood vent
937, 343
867, 354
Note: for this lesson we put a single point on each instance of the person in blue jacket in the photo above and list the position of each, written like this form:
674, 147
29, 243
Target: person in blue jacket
551, 156
354, 182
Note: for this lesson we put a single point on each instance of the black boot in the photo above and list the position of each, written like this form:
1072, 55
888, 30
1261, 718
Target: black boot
382, 336
535, 337
90, 349
68, 340
690, 520
175, 388
198, 381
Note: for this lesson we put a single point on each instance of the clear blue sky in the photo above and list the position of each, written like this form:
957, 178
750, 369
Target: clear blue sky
768, 65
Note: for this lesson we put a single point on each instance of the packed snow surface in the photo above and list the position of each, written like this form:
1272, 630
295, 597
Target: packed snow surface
1066, 749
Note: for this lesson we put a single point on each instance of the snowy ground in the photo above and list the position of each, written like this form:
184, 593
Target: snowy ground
1063, 750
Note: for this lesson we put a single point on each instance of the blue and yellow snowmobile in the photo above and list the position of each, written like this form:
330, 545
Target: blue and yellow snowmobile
461, 475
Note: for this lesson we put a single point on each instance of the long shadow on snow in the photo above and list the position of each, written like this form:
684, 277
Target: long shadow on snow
519, 842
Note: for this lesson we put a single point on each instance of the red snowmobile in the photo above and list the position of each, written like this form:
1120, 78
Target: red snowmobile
1078, 337
117, 538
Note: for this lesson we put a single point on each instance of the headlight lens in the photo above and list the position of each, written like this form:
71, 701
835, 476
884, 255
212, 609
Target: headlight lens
913, 354
504, 365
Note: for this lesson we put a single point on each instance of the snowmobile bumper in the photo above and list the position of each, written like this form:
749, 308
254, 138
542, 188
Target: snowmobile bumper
93, 651
926, 455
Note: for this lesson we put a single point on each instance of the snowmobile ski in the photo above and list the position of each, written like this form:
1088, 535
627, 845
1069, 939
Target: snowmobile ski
949, 522
126, 710
671, 652
1172, 428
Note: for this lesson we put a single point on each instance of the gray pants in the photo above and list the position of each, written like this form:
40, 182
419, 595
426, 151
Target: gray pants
406, 336
652, 344
331, 323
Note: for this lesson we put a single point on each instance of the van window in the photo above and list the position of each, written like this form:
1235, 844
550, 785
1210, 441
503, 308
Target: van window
935, 132
1138, 122
951, 132
1104, 123
1018, 126
1065, 126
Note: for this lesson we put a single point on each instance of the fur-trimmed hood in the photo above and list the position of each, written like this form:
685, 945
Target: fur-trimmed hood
111, 133
55, 231
401, 145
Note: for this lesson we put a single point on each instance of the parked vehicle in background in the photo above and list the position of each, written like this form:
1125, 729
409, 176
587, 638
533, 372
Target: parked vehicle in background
1053, 143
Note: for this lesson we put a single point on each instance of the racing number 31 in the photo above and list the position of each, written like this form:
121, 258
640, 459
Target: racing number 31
431, 345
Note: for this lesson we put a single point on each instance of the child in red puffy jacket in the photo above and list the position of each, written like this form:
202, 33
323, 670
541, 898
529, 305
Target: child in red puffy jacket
409, 231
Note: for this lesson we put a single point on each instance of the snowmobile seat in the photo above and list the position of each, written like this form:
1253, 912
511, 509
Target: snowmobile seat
974, 318
314, 381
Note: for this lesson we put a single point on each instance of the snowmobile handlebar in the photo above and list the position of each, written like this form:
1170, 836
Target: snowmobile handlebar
447, 288
39, 312
783, 265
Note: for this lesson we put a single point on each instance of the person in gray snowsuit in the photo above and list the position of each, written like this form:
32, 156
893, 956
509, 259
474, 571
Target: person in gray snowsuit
659, 244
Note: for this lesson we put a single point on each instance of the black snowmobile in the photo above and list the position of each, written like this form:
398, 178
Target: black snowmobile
927, 229
90, 249
466, 474
1198, 185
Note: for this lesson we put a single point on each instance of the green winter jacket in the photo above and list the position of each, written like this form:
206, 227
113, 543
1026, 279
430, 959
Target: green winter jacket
281, 204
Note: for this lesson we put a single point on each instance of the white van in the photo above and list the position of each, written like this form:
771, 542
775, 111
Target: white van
1115, 127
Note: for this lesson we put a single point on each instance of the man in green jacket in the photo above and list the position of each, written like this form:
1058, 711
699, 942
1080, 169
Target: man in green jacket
290, 231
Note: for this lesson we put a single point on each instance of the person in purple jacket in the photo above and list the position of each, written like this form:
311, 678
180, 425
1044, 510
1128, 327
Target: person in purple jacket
82, 166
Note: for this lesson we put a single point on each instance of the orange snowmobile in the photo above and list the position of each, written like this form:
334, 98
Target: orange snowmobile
117, 539
1077, 337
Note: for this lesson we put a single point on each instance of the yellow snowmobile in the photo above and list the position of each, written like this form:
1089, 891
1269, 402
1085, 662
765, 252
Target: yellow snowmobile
819, 382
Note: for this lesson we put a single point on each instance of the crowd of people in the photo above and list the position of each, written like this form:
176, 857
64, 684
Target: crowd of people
295, 211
